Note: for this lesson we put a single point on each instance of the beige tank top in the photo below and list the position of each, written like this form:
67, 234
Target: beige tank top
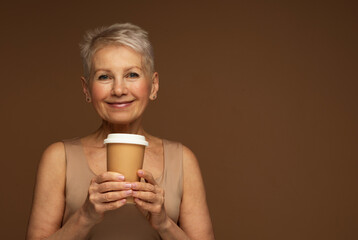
126, 222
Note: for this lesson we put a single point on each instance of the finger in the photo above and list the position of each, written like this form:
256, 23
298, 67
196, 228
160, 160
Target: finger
113, 186
114, 196
147, 176
146, 196
112, 205
109, 176
153, 208
141, 186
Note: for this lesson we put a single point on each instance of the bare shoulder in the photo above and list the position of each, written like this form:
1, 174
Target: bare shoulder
56, 150
190, 163
193, 183
53, 156
52, 165
188, 154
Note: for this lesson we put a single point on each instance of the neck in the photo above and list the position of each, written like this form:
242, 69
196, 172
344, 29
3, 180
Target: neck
107, 128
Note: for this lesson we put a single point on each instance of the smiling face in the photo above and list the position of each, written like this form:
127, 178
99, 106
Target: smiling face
119, 87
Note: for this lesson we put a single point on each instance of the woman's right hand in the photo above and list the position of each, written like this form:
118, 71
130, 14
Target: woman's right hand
107, 191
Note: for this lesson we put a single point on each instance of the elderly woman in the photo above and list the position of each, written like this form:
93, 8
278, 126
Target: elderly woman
77, 198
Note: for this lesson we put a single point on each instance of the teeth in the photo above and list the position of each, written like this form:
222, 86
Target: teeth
120, 104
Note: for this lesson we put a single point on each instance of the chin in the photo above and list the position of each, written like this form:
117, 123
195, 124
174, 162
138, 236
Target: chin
122, 120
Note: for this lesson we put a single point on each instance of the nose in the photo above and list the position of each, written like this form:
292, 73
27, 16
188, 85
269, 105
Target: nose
119, 87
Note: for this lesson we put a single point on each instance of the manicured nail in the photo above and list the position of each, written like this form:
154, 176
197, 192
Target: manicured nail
140, 172
121, 177
129, 192
127, 185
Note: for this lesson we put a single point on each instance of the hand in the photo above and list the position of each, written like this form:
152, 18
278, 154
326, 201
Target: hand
107, 191
149, 196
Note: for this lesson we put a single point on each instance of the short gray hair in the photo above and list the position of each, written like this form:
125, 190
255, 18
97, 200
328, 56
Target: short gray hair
122, 34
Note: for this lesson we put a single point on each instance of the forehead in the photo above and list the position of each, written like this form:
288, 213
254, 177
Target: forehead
114, 56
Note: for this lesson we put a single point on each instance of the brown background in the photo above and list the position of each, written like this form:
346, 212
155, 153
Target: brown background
264, 92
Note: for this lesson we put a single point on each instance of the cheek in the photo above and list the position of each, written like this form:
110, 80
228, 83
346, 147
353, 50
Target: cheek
141, 90
98, 92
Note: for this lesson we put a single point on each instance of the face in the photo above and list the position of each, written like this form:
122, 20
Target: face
118, 86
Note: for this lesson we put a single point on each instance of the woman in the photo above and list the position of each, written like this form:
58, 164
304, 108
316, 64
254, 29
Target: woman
76, 198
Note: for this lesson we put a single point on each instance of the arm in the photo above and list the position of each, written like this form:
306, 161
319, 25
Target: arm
105, 193
194, 216
49, 197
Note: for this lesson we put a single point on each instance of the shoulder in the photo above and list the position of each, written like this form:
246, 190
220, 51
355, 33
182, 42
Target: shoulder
187, 154
57, 151
190, 164
54, 151
193, 184
189, 158
51, 171
53, 157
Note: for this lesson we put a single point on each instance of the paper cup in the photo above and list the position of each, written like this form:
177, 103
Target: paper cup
125, 154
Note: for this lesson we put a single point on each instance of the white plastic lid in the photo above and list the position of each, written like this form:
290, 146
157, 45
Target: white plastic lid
126, 138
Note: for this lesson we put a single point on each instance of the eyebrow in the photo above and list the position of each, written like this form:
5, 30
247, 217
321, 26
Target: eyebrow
129, 68
125, 69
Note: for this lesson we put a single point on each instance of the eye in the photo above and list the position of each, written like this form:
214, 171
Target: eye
132, 75
103, 77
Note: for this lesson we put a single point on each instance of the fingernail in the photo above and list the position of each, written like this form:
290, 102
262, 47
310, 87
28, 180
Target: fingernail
140, 172
134, 193
127, 185
129, 192
133, 185
121, 177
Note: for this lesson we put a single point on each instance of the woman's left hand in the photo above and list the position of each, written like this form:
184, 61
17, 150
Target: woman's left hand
149, 196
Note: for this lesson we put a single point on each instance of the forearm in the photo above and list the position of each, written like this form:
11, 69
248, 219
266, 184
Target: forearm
76, 228
172, 231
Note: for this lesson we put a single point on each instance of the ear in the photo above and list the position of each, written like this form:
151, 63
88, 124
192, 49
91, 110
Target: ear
155, 86
85, 88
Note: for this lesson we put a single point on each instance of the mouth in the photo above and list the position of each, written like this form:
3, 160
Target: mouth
120, 104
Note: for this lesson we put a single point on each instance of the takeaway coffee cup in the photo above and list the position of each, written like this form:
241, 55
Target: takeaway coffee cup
125, 153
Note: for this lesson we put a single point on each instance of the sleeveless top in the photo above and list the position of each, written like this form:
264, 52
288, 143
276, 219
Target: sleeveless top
127, 222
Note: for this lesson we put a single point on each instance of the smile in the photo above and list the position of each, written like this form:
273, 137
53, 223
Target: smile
120, 104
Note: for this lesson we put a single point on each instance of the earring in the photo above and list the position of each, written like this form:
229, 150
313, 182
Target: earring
154, 97
88, 99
